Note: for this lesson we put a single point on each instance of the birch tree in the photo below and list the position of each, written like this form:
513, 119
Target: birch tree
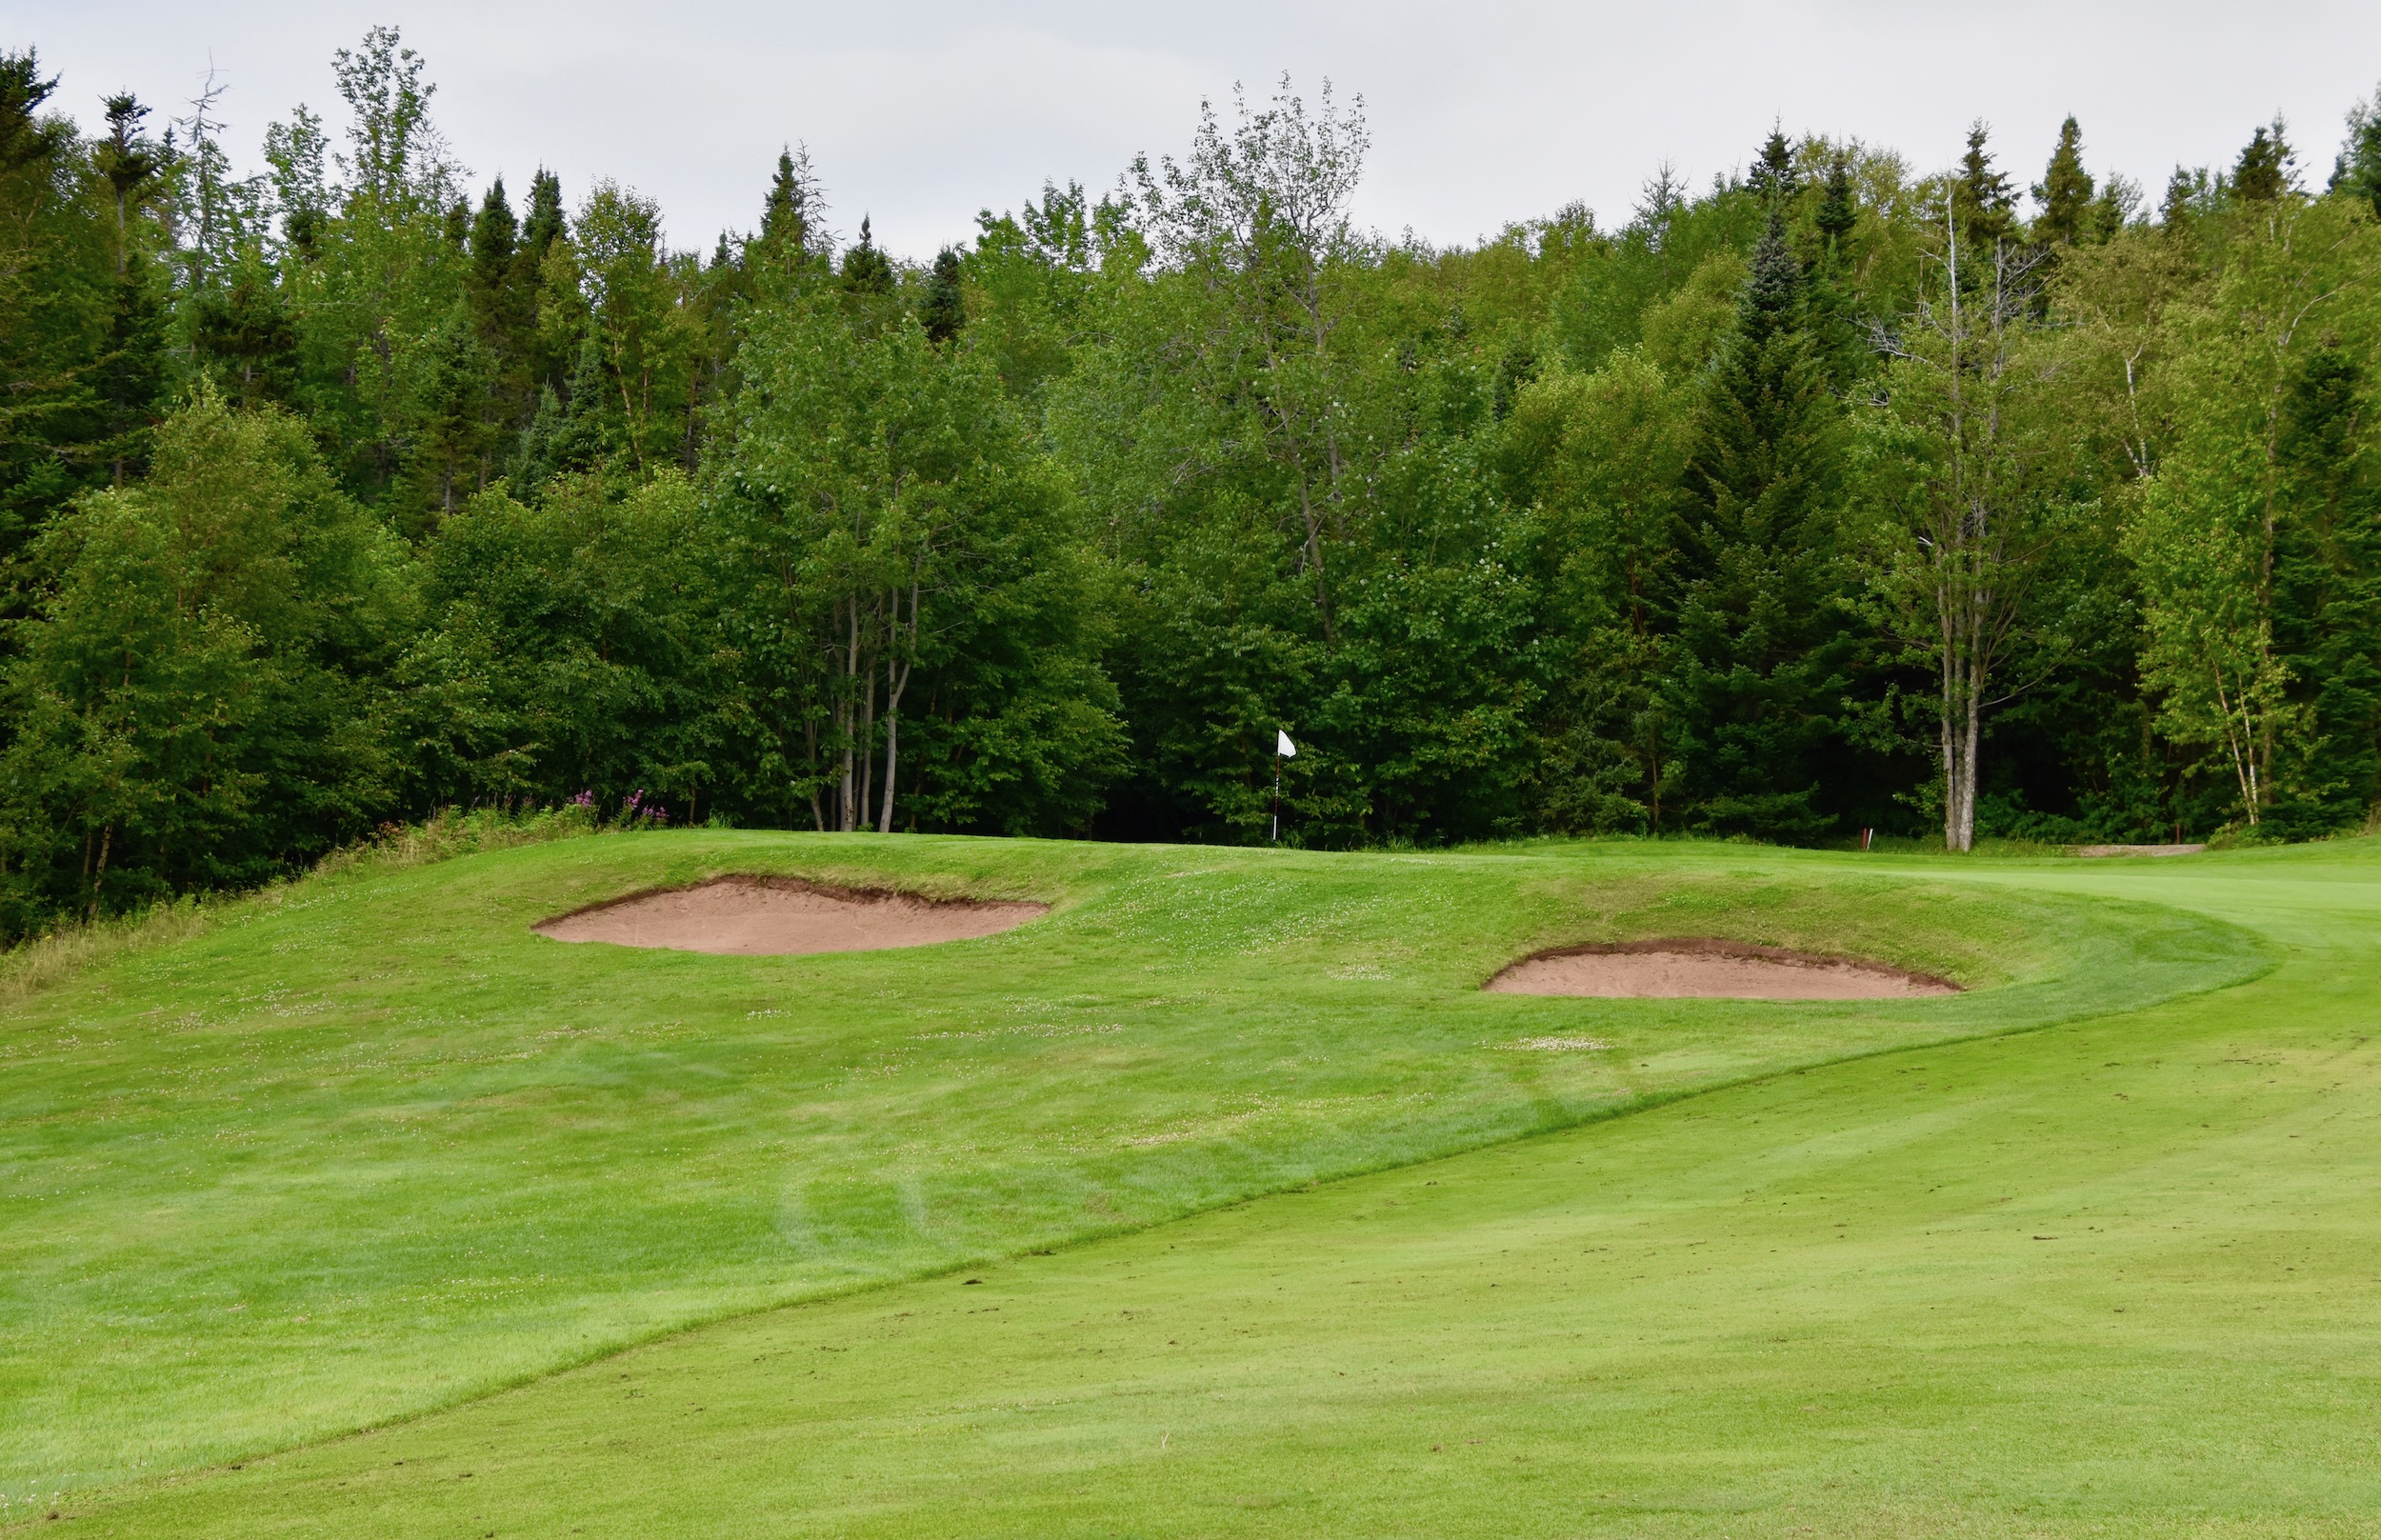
2296, 277
1969, 521
1260, 219
868, 466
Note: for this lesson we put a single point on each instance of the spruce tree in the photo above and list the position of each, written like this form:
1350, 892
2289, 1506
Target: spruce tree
26, 138
1772, 177
2263, 172
1839, 207
866, 270
1835, 327
544, 224
942, 311
1760, 648
243, 334
1981, 198
785, 214
2357, 173
503, 296
545, 359
131, 371
789, 251
2327, 600
2065, 192
495, 240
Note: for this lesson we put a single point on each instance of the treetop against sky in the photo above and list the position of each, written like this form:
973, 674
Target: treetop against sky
1502, 112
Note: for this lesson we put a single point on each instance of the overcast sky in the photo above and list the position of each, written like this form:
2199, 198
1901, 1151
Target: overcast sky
1482, 112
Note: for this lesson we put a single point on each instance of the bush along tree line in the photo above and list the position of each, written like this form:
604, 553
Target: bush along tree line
1829, 496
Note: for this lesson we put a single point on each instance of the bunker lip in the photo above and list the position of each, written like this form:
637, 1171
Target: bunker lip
757, 916
1710, 968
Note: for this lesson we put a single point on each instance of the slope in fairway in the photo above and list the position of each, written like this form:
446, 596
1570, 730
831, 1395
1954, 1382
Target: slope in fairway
2115, 1278
376, 1148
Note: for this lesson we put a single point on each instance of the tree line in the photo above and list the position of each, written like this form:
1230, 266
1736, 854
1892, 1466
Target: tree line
1831, 495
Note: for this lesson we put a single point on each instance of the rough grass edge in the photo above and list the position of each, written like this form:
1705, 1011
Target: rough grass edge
48, 959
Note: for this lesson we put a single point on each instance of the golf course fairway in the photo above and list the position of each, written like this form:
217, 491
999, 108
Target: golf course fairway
1219, 1201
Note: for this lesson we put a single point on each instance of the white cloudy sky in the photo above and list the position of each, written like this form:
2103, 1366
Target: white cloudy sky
1481, 111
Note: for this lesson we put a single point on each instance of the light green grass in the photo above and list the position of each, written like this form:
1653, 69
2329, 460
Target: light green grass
380, 1150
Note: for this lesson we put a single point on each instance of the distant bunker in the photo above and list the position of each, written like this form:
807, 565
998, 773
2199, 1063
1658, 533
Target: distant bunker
1703, 967
784, 917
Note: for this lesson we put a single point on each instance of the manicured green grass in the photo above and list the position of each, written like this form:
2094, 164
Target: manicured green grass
377, 1148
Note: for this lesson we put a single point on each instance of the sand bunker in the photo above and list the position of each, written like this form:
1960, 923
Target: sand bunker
783, 916
2093, 851
1702, 968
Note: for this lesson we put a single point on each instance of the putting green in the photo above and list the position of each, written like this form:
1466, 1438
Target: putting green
378, 1148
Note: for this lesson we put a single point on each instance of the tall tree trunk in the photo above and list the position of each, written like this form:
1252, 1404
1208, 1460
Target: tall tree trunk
107, 839
846, 815
895, 683
867, 758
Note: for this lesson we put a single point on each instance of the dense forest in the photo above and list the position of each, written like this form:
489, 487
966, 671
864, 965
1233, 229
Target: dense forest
1832, 495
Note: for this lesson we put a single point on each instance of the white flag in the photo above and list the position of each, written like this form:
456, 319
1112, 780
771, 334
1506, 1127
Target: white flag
1283, 746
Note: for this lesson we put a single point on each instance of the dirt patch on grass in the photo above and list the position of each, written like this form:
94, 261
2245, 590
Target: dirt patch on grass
1705, 968
782, 918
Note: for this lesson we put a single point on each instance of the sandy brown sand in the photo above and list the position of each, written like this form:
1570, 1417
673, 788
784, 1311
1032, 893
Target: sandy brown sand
2138, 849
1700, 967
780, 916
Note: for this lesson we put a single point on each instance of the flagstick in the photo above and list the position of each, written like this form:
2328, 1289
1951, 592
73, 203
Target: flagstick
1277, 798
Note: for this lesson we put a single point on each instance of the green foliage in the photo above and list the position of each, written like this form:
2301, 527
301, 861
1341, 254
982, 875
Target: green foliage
194, 702
2357, 173
2065, 192
1632, 526
915, 621
1764, 644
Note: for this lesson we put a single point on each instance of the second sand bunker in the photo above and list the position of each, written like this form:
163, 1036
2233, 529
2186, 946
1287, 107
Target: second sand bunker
784, 917
1700, 967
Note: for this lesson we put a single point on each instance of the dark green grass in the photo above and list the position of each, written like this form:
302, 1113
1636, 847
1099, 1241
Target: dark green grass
2115, 1278
376, 1147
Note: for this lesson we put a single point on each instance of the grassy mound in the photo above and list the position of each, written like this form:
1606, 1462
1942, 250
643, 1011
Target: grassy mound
377, 1148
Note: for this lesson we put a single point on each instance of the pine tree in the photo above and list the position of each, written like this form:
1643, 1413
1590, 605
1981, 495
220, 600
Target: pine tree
943, 313
452, 441
2357, 173
1772, 177
2185, 191
544, 360
2065, 192
544, 224
133, 367
1839, 207
26, 138
1835, 328
495, 241
790, 249
2113, 209
785, 215
866, 270
2264, 173
131, 164
2326, 604
243, 334
1981, 198
503, 297
1761, 649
